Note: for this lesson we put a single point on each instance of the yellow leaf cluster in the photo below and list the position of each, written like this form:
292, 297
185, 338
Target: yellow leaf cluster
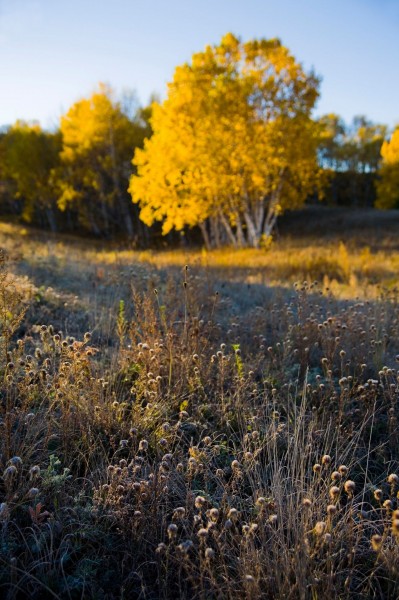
388, 184
234, 121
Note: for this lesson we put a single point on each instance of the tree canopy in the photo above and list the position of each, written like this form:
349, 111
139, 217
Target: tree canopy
233, 144
98, 142
28, 157
388, 185
351, 155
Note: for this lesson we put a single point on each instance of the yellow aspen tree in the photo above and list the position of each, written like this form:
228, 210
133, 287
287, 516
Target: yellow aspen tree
388, 185
28, 157
233, 143
97, 141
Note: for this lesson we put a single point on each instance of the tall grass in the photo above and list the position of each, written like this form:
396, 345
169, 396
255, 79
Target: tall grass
212, 446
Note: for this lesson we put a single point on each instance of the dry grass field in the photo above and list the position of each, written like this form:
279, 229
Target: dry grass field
184, 424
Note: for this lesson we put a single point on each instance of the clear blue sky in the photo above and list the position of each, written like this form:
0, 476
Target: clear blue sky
53, 52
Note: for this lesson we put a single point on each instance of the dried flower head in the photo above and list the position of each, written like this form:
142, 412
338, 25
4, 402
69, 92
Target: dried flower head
320, 527
273, 519
33, 492
376, 542
334, 492
393, 479
202, 533
349, 487
9, 472
209, 553
199, 502
214, 514
172, 530
143, 445
331, 510
34, 471
179, 513
161, 548
233, 514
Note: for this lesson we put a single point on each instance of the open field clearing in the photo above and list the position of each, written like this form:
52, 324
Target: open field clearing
225, 429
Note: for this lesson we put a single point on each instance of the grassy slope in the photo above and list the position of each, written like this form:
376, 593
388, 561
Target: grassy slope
193, 421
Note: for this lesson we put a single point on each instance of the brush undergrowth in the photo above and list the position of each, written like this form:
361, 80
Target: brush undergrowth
204, 454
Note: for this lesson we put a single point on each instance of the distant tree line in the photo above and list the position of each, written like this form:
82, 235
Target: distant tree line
232, 146
76, 178
351, 154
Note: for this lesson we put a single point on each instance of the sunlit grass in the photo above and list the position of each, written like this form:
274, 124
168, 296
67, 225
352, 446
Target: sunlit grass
210, 432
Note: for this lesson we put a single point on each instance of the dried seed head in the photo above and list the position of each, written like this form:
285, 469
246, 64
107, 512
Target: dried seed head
376, 542
393, 479
34, 471
199, 502
378, 494
185, 546
306, 502
214, 514
331, 510
336, 476
326, 459
172, 531
273, 519
350, 487
343, 470
334, 492
209, 553
395, 526
179, 513
161, 548
317, 468
202, 533
320, 528
10, 472
192, 463
233, 514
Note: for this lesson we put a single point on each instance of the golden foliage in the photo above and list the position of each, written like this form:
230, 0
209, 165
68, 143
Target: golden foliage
233, 137
388, 186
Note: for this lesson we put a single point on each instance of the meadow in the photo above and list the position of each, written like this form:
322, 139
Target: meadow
203, 425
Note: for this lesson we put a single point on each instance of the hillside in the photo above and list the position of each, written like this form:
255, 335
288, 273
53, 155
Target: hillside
202, 425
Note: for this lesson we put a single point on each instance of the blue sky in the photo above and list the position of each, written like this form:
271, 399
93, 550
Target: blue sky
53, 52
